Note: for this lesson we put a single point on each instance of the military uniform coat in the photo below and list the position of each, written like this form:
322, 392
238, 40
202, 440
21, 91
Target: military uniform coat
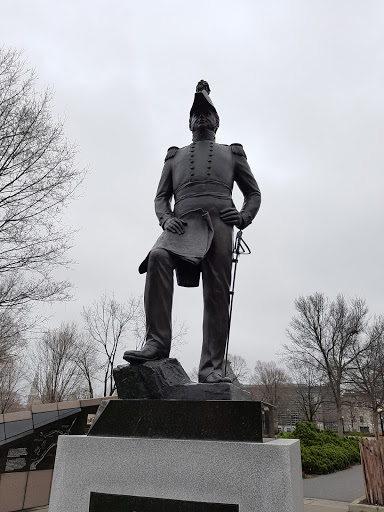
201, 176
197, 178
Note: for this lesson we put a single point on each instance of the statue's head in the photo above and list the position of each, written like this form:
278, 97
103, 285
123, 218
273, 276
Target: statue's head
203, 113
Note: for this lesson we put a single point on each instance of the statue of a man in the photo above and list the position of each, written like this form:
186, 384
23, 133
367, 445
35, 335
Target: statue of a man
197, 237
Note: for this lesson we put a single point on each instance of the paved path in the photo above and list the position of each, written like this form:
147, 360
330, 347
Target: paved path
315, 505
344, 485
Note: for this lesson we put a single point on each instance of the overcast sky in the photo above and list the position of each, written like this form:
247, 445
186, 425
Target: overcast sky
299, 83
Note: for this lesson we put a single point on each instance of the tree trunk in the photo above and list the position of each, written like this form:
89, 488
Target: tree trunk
340, 429
375, 420
90, 388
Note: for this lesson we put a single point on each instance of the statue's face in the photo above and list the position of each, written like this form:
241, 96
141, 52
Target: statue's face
204, 119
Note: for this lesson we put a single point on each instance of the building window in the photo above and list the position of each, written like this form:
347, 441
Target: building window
361, 419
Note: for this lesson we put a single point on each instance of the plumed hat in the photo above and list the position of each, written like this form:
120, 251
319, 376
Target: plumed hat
202, 100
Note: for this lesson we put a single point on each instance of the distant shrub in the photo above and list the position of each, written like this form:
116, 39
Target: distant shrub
324, 451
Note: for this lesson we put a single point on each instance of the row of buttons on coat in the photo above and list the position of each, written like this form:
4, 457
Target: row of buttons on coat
192, 158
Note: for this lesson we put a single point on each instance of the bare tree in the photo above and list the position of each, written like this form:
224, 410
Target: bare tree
12, 330
38, 177
310, 389
139, 329
325, 334
273, 381
107, 322
365, 376
57, 376
352, 407
87, 361
237, 368
12, 384
194, 374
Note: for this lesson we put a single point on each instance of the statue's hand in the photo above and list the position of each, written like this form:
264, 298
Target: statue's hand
231, 216
175, 225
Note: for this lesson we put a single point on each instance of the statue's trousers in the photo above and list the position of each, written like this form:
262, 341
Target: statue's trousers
216, 274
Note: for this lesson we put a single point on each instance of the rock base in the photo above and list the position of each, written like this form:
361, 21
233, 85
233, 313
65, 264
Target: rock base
167, 380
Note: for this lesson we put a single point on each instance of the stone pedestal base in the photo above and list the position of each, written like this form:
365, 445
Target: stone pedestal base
258, 477
211, 420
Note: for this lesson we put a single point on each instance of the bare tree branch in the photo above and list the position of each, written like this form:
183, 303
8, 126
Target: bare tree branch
311, 388
12, 384
56, 372
38, 177
107, 323
326, 335
273, 381
12, 333
365, 376
237, 369
139, 329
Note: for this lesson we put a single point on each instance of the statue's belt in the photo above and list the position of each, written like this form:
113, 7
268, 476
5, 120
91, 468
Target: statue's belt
203, 188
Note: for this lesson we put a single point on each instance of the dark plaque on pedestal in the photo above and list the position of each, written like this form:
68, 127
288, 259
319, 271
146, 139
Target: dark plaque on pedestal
101, 502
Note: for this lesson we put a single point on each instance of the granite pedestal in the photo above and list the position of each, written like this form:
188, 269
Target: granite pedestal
258, 477
211, 420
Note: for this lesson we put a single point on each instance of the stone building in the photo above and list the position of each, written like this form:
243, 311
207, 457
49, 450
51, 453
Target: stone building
291, 405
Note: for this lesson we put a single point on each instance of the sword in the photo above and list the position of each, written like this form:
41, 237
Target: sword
240, 247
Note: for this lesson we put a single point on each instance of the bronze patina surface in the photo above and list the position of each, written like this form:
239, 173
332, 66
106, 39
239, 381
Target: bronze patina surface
199, 178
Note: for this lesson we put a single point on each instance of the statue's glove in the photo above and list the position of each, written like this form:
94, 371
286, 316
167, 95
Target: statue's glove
175, 225
232, 217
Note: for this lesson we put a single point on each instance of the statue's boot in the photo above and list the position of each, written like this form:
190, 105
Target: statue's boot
215, 377
148, 353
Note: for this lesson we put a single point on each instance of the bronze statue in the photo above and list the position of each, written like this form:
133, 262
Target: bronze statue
197, 236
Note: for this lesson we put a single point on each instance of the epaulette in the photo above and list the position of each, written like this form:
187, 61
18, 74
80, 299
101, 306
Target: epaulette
171, 152
238, 149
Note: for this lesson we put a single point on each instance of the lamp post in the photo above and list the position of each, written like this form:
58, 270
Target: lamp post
381, 420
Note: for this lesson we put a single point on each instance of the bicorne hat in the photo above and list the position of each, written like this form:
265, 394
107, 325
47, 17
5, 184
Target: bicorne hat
202, 100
